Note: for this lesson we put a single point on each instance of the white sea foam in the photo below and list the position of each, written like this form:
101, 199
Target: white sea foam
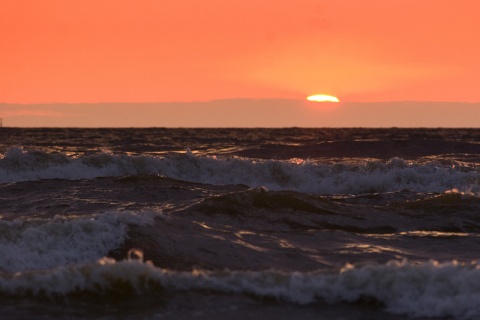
307, 176
427, 290
42, 244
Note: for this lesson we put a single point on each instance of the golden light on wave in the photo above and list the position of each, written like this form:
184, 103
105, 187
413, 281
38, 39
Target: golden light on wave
322, 98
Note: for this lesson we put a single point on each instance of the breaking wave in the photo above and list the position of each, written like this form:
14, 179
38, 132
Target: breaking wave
420, 290
42, 244
304, 176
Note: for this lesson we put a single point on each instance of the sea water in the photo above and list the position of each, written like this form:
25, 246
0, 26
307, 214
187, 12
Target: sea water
239, 223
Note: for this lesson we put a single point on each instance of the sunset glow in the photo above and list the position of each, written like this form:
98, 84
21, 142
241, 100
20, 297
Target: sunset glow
57, 51
322, 98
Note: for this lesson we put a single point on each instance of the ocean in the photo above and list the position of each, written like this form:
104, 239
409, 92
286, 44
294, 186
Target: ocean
288, 223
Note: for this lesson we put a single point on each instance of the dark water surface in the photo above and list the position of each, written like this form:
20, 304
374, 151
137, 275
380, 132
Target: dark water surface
239, 223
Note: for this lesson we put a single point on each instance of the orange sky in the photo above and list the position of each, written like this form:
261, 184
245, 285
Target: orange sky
151, 50
79, 51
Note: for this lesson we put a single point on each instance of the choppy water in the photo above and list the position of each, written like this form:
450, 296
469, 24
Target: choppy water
239, 223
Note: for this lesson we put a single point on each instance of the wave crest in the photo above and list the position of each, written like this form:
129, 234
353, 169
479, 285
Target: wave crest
307, 176
37, 244
427, 290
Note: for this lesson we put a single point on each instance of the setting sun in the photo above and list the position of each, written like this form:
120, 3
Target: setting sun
322, 98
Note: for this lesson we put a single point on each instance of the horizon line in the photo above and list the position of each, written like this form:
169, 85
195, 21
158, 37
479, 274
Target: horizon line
231, 99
